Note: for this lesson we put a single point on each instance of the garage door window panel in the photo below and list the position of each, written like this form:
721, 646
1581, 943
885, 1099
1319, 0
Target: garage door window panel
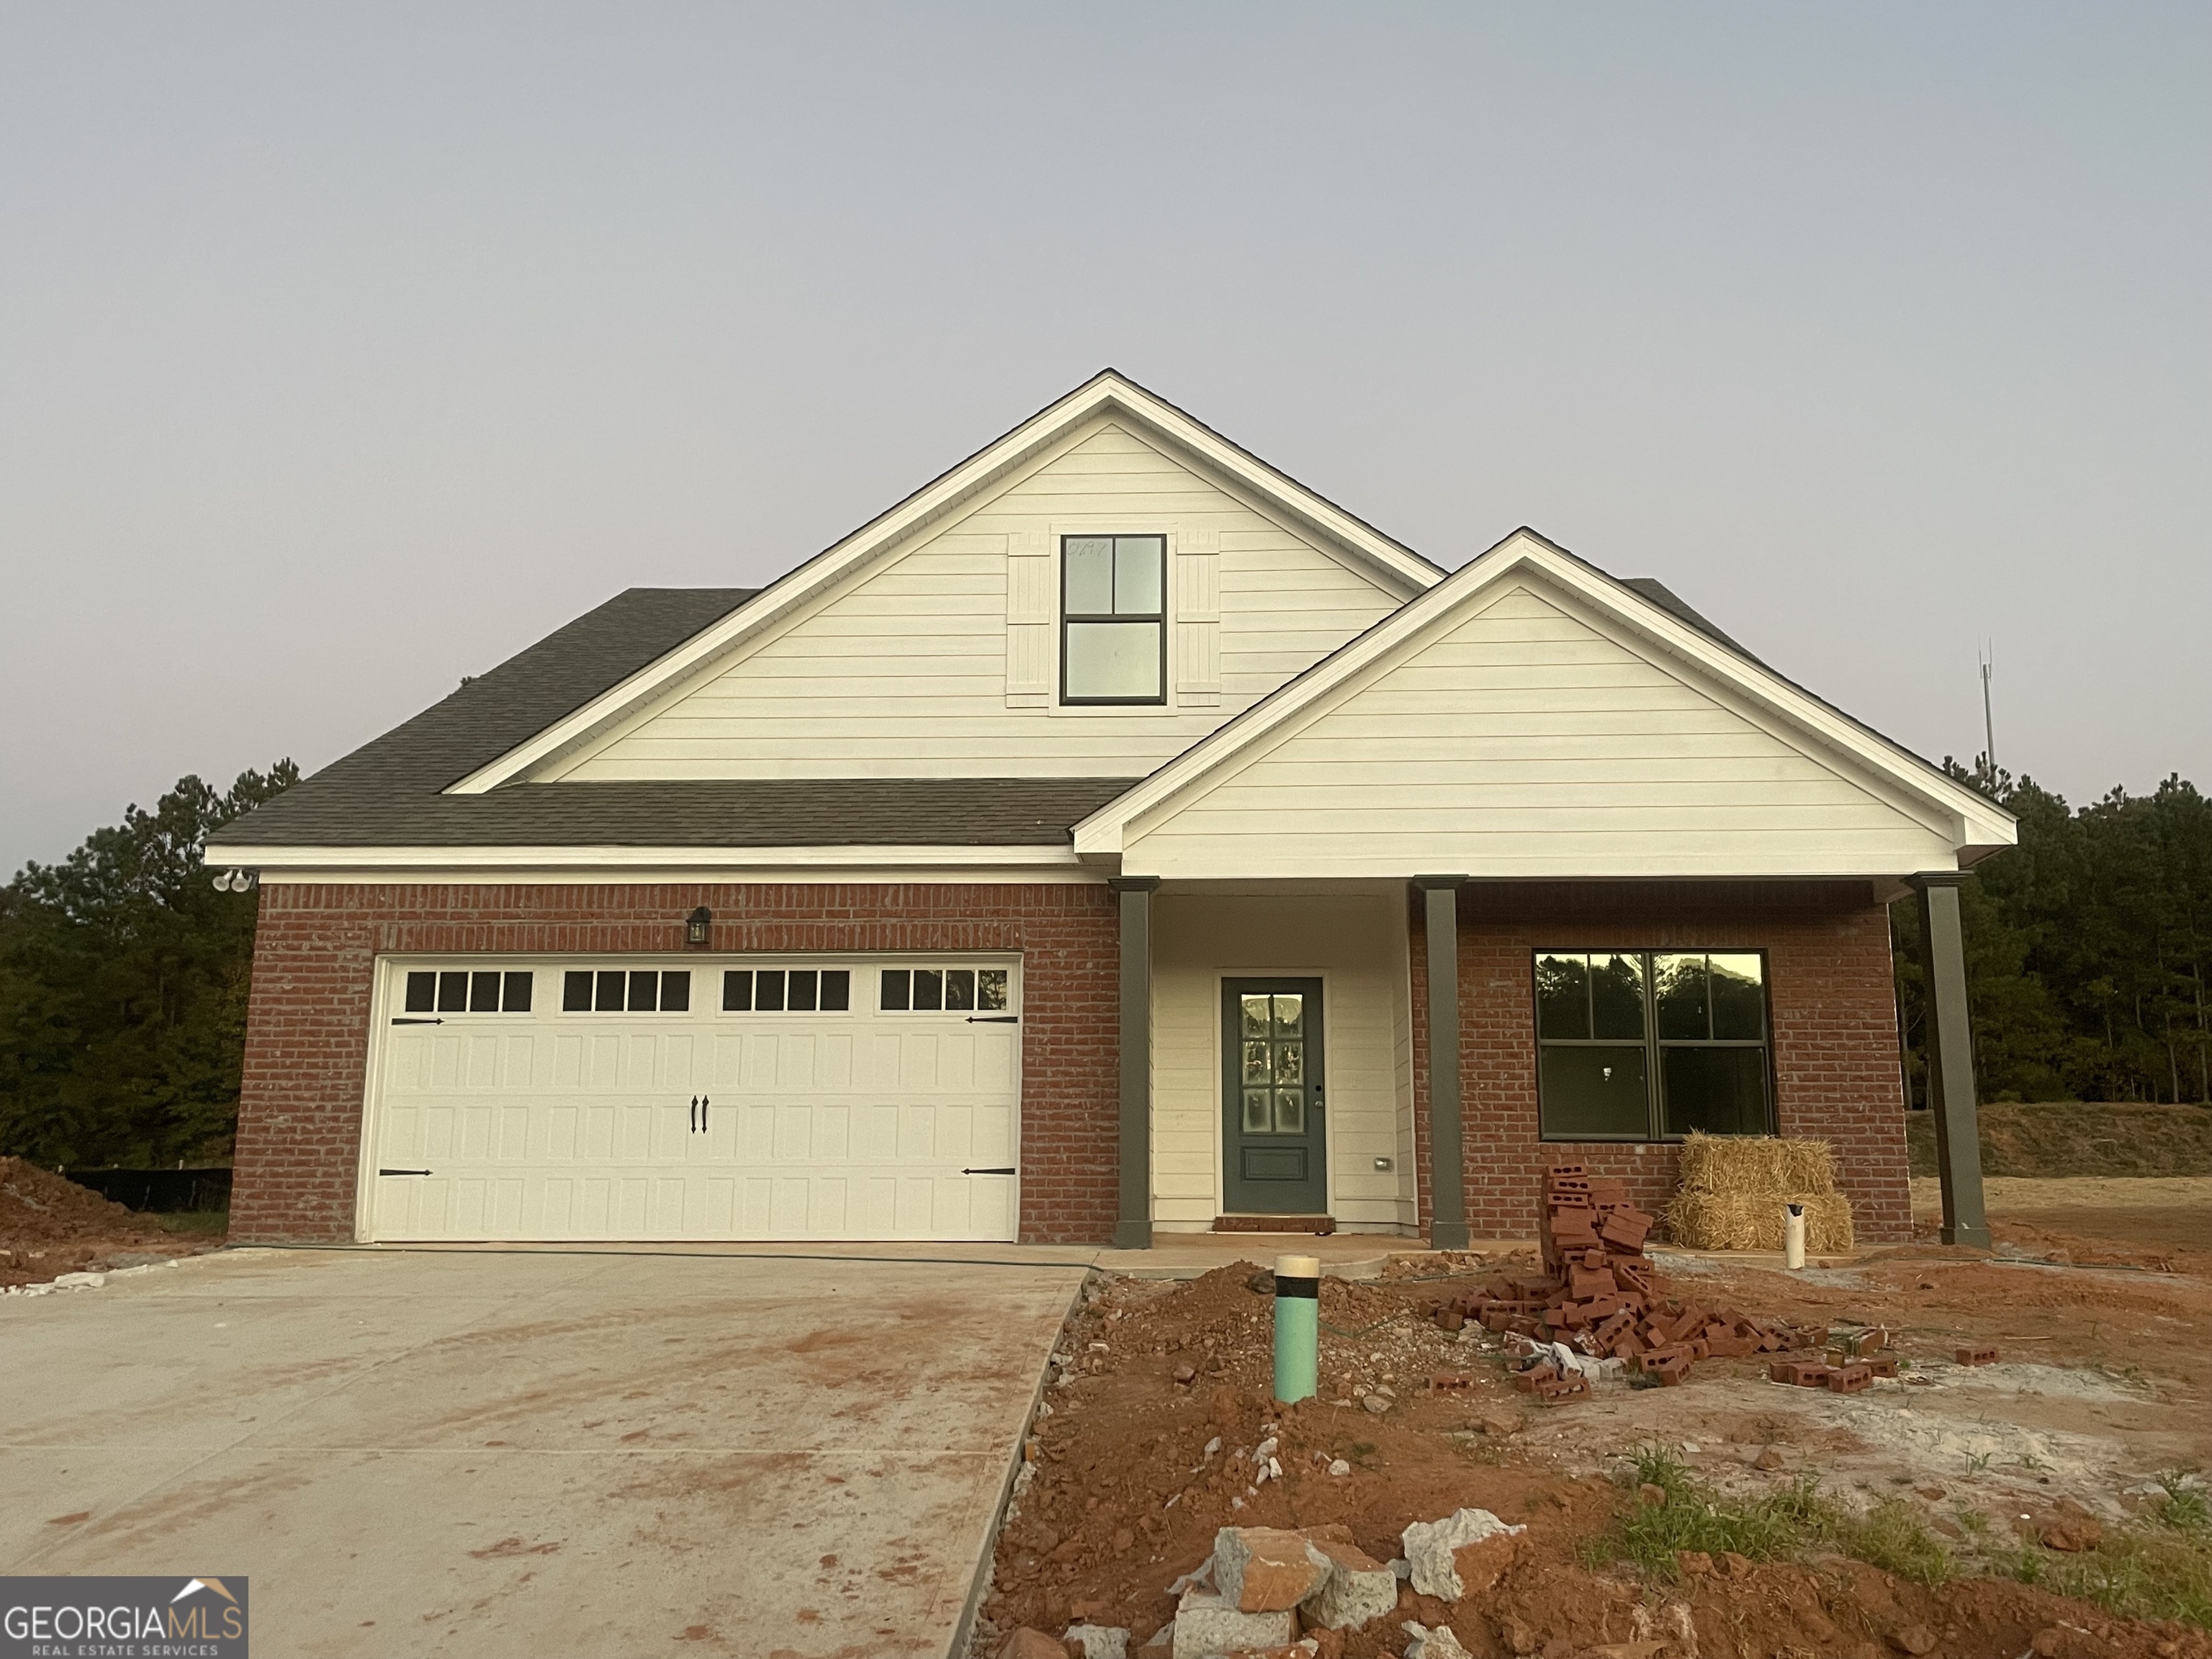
944, 990
470, 992
787, 990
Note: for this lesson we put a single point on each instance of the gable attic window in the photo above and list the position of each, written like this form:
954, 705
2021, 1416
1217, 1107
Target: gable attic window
1113, 619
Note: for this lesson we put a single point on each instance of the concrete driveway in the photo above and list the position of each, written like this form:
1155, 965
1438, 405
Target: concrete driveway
531, 1452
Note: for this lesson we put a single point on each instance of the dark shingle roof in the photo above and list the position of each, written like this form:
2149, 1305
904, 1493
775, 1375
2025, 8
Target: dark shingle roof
1672, 603
389, 792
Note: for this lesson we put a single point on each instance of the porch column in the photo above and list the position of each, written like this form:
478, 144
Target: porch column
1447, 1155
1133, 1227
1951, 1056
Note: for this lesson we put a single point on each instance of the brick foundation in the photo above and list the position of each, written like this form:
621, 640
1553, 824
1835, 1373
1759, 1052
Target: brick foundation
1833, 1001
306, 1048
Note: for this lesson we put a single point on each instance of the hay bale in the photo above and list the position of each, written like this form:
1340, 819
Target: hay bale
1753, 1221
1757, 1164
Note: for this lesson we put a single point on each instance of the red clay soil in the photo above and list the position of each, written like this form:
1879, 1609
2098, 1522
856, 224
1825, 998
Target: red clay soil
51, 1226
1125, 1496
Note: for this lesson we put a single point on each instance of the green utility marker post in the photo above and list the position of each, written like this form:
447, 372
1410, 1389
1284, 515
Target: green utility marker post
1297, 1326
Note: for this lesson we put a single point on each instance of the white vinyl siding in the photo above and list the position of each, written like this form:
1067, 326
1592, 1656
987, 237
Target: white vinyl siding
1525, 742
1356, 945
927, 666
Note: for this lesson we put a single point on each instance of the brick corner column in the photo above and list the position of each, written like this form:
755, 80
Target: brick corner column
1132, 1224
1951, 1056
1447, 1150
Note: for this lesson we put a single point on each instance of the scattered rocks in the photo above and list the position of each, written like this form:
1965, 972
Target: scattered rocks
1462, 1554
1434, 1642
1032, 1644
1375, 1403
1914, 1639
1207, 1624
1357, 1587
1101, 1641
1265, 1569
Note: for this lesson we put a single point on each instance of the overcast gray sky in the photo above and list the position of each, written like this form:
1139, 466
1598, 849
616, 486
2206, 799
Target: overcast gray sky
344, 350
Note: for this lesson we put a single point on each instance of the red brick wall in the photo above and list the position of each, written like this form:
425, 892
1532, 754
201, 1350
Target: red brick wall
1834, 1037
307, 1044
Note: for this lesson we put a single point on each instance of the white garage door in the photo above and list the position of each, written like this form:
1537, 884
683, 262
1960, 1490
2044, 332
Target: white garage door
827, 1097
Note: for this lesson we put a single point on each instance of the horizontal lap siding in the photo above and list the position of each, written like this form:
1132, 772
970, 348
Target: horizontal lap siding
1831, 989
307, 1030
1525, 742
905, 673
1357, 945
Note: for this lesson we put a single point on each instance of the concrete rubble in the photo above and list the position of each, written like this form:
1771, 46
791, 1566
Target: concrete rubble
1100, 1641
1433, 1642
1460, 1555
1262, 1586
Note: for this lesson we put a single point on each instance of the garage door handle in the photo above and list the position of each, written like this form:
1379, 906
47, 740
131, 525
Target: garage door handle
402, 1172
1005, 1171
994, 1019
404, 1021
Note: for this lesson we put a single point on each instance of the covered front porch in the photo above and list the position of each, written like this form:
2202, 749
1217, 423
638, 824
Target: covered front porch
1307, 1055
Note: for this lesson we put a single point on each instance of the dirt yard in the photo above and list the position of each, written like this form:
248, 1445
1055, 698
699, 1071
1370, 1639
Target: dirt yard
2154, 1211
1943, 1512
49, 1226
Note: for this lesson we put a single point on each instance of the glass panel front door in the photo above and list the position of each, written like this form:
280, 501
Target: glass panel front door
1271, 1094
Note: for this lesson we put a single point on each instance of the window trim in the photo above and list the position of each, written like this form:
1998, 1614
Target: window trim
1157, 619
1653, 1046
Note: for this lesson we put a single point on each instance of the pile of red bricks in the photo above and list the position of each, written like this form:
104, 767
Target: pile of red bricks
1600, 1294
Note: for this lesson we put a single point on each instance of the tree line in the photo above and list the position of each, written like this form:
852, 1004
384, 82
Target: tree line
122, 983
2087, 948
123, 974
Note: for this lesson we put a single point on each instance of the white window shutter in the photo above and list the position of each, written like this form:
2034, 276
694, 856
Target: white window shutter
1029, 618
1198, 618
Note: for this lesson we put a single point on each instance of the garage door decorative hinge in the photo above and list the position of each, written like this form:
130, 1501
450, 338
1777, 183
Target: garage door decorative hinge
403, 1020
994, 1019
1005, 1171
383, 1172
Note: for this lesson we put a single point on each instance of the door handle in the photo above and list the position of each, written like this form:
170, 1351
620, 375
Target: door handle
694, 1114
705, 1100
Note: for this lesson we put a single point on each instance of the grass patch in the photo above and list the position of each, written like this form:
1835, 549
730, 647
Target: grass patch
1788, 1523
2159, 1567
1892, 1536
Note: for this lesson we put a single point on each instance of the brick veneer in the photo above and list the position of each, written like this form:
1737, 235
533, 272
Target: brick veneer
1834, 1038
307, 1047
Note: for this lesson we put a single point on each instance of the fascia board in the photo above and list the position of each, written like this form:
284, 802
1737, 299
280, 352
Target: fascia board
1967, 813
1332, 522
1102, 394
1970, 818
401, 858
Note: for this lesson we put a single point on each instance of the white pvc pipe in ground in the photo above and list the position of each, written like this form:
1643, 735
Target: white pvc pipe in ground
1793, 1235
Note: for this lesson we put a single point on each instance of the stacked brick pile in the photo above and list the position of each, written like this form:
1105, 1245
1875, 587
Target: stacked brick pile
1600, 1295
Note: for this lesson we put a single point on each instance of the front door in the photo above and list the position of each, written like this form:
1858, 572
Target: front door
1274, 1160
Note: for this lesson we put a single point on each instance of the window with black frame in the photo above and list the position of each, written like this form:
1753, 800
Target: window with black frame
1648, 1045
1113, 626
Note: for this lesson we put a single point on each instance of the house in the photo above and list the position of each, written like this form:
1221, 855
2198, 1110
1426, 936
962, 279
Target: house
1115, 835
